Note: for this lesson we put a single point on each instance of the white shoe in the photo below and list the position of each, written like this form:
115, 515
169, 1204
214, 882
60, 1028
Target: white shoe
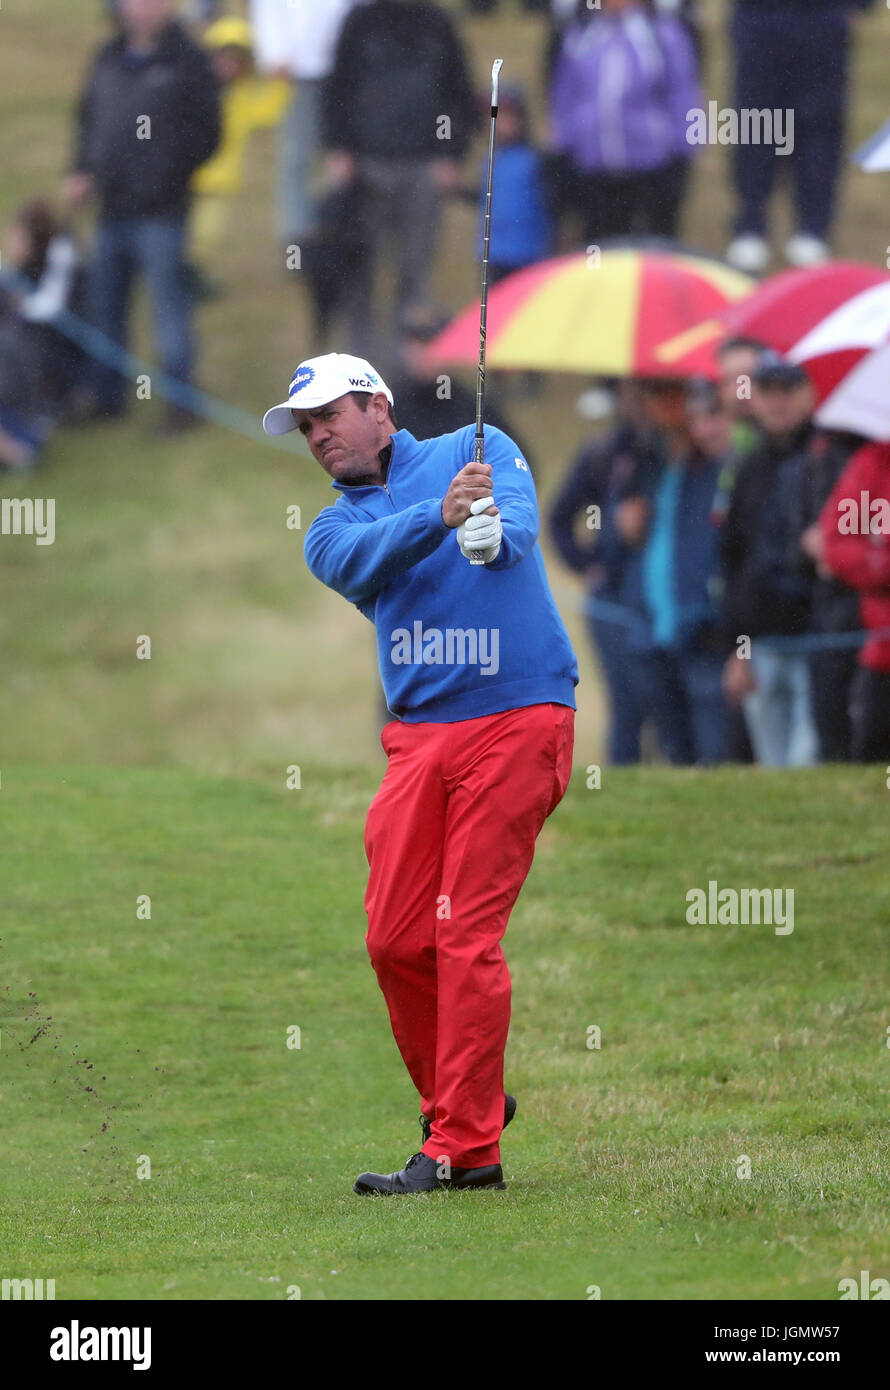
748, 253
804, 250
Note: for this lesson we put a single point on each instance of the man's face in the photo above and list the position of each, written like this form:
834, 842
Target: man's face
345, 439
146, 19
738, 366
710, 430
665, 406
781, 410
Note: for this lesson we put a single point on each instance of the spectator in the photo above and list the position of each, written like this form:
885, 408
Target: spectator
605, 470
835, 607
521, 230
738, 359
677, 662
765, 596
140, 172
563, 12
623, 82
24, 422
44, 278
399, 113
297, 43
790, 58
249, 103
332, 258
860, 556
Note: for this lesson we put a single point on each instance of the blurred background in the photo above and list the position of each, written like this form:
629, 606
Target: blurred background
171, 511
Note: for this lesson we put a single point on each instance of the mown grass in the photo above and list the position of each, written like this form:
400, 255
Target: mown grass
123, 1038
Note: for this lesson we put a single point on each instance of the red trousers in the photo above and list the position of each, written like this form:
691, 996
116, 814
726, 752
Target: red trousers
450, 838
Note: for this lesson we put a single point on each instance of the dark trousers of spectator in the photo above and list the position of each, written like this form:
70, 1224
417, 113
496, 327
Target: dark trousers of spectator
401, 208
684, 694
151, 247
831, 677
627, 709
870, 716
792, 57
643, 203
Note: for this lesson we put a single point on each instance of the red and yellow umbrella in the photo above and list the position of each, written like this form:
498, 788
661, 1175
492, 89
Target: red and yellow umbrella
602, 315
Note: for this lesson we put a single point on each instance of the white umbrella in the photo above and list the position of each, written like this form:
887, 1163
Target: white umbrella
874, 155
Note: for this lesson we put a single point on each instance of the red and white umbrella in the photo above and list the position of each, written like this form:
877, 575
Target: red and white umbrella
847, 356
780, 313
861, 403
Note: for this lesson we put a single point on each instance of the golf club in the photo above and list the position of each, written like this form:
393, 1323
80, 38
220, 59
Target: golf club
476, 557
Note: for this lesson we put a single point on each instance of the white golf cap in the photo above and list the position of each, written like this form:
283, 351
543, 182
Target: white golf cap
319, 380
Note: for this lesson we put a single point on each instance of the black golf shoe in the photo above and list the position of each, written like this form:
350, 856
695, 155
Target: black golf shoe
420, 1174
426, 1124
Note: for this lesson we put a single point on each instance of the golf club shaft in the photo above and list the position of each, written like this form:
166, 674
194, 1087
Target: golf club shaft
479, 442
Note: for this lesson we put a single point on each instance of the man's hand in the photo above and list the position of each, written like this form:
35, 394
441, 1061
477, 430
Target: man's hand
480, 535
632, 520
77, 188
467, 486
340, 167
738, 680
445, 174
811, 543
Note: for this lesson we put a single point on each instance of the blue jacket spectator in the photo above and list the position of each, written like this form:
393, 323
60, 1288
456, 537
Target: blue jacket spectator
522, 228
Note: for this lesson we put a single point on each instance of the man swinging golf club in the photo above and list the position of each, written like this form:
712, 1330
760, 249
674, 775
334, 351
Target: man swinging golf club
479, 674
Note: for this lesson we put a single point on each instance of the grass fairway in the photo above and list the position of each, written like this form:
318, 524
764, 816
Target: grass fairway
167, 1038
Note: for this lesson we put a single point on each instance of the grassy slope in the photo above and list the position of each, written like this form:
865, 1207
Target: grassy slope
716, 1042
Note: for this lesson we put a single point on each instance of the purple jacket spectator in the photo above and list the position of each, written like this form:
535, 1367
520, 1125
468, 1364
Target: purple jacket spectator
622, 87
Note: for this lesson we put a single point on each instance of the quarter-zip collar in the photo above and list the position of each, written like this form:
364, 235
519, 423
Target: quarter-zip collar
386, 456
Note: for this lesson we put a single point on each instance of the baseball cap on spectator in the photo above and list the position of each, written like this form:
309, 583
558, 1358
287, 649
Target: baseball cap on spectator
229, 32
702, 394
319, 380
774, 370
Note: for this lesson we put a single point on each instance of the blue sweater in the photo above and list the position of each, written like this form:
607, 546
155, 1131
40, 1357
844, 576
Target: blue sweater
454, 640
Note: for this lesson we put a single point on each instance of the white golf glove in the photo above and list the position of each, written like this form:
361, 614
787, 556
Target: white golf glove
480, 535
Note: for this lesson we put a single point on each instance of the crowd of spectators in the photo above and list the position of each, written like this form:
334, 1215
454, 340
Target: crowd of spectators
727, 593
376, 113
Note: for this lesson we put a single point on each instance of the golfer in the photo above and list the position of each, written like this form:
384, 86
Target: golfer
479, 675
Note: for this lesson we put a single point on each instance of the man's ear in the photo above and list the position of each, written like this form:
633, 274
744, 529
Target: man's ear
380, 402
